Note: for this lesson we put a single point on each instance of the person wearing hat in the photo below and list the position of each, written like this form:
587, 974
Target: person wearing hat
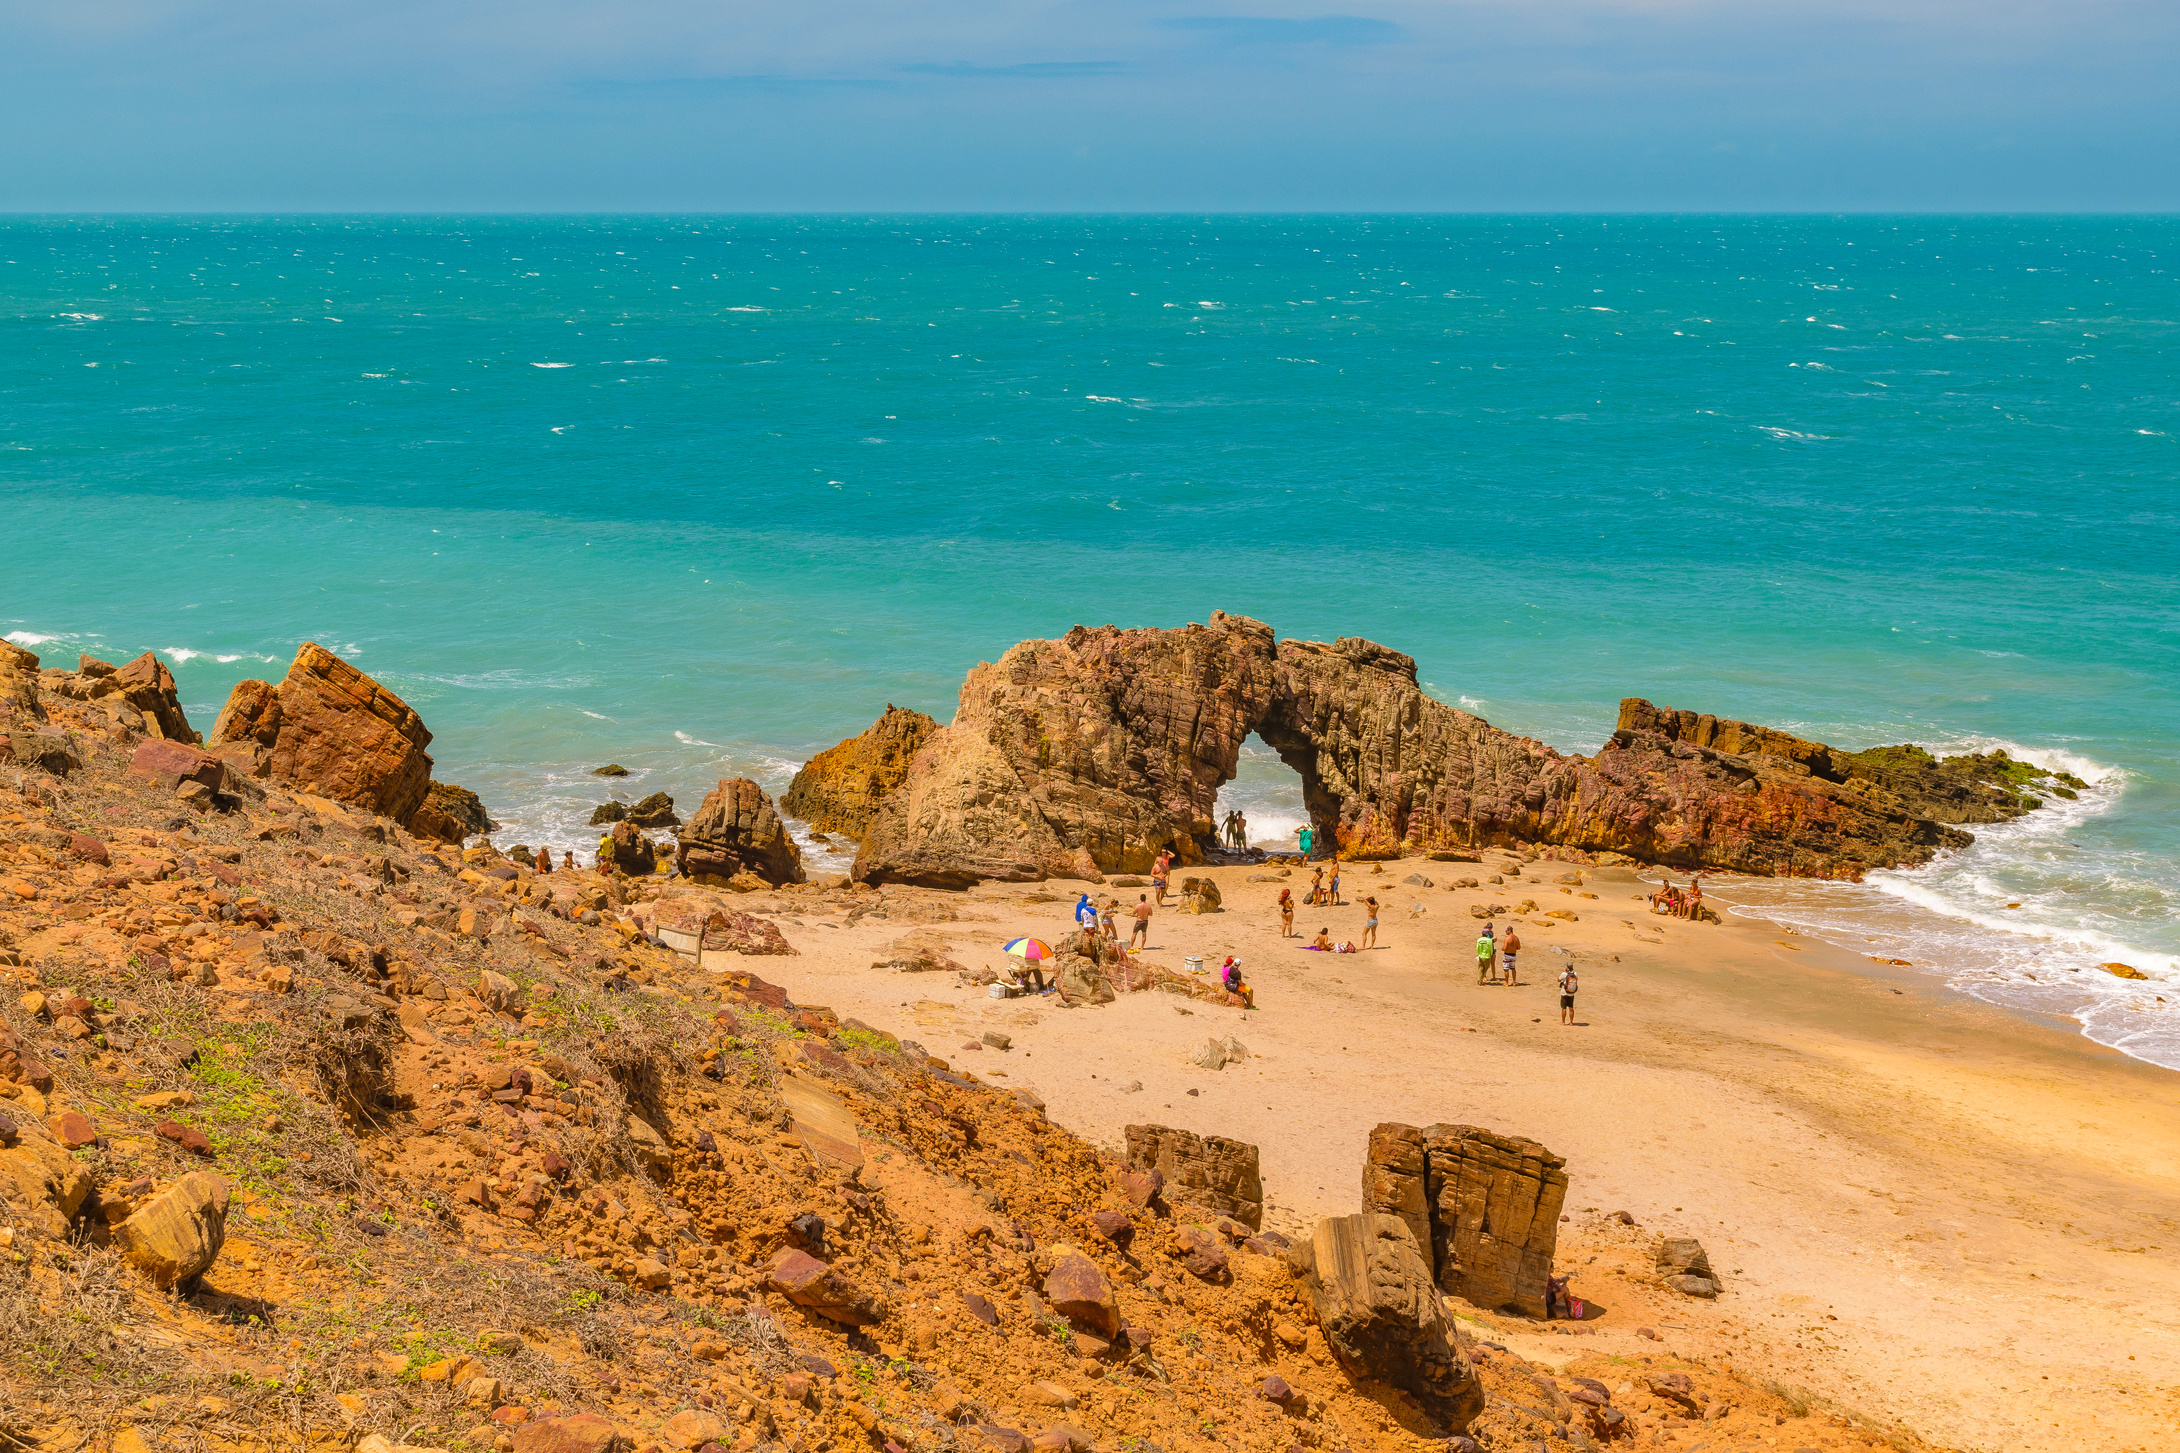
1487, 953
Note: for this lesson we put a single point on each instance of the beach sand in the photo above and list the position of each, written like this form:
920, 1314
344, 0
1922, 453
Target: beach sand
1928, 1212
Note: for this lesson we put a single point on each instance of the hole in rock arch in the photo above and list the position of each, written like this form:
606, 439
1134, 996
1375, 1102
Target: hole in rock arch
1269, 794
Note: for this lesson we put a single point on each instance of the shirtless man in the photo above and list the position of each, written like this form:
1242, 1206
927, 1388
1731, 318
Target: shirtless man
1142, 929
1508, 947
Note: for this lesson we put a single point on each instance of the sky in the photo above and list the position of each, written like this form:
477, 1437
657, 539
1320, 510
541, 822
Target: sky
1063, 105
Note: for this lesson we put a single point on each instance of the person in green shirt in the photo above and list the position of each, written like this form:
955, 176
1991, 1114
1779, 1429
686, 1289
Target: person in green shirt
1487, 950
1307, 839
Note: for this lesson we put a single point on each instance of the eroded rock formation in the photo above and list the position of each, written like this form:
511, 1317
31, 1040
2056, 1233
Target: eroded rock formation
332, 730
1210, 1171
738, 830
1373, 1299
1089, 754
1483, 1208
839, 789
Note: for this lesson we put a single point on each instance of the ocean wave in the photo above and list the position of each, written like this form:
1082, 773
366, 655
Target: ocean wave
1778, 433
28, 639
552, 365
688, 741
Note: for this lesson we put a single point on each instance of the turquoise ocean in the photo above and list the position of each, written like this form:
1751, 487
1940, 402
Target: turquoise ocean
703, 494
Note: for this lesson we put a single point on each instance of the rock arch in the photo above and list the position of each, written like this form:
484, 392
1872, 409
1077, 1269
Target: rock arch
1086, 755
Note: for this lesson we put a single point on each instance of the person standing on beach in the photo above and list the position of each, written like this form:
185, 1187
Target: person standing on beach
1317, 887
1159, 874
1333, 885
1142, 929
1570, 984
1487, 953
1241, 832
567, 861
1370, 927
1286, 913
1306, 837
1507, 951
544, 860
1086, 914
605, 853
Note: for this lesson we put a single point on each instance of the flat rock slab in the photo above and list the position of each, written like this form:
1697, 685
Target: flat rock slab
827, 1131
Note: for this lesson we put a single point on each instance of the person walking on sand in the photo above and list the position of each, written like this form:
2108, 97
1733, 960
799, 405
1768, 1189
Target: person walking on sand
1142, 929
1487, 953
1286, 913
1507, 951
1370, 924
1570, 984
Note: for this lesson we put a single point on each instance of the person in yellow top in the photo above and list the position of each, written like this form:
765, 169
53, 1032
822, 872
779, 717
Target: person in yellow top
605, 853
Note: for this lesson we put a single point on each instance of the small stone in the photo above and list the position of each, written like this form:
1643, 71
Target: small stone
1274, 1389
188, 1137
1115, 1226
1200, 1253
692, 1428
1048, 1395
73, 1129
981, 1308
652, 1275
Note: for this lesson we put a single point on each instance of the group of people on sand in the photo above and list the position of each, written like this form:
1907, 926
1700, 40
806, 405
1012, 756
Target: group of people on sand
1234, 831
1498, 962
1102, 919
1324, 942
1676, 902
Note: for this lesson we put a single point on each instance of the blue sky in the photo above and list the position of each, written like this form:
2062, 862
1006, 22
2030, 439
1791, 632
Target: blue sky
998, 105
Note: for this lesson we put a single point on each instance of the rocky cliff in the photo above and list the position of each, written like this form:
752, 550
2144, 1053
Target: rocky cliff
839, 789
1087, 755
737, 830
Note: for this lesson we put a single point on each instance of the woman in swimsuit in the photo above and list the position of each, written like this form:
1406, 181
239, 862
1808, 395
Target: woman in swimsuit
1323, 940
1286, 913
1317, 886
1370, 924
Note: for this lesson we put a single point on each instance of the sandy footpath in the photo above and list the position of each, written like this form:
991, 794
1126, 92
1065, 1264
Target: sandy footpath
1928, 1211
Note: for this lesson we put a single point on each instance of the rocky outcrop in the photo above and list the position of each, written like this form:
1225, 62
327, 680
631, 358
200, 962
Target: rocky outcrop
336, 732
148, 687
839, 789
738, 830
1087, 755
1076, 757
1483, 1208
450, 814
19, 681
1210, 1171
1374, 1301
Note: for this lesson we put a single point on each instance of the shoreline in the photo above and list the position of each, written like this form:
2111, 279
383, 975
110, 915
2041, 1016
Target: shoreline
1849, 1140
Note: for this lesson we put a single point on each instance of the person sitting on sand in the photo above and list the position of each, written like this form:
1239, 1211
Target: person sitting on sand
1026, 974
1695, 899
567, 861
1487, 954
1230, 977
1142, 929
1286, 913
1370, 924
1507, 950
1323, 942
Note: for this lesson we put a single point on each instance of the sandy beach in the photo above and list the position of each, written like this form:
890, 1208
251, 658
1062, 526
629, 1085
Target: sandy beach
1935, 1214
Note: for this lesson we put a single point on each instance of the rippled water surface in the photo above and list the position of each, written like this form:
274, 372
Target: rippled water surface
703, 494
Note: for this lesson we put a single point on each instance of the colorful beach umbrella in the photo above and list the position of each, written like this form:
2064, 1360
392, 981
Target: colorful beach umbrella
1030, 949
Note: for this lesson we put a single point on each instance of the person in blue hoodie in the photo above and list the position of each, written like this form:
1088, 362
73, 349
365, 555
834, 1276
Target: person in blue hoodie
1086, 914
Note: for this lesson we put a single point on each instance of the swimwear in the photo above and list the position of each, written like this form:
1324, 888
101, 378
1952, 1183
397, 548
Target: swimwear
1370, 923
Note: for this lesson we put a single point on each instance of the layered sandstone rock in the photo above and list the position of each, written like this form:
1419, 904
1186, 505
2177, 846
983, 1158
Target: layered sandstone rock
148, 687
1076, 757
1087, 755
336, 732
839, 789
737, 830
1374, 1301
19, 681
1210, 1171
1483, 1208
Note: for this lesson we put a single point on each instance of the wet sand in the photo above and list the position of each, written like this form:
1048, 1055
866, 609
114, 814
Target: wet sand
1928, 1211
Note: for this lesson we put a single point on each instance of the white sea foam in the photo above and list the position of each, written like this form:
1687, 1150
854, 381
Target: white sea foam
85, 317
1778, 433
686, 740
181, 655
552, 365
27, 639
747, 309
594, 716
1101, 399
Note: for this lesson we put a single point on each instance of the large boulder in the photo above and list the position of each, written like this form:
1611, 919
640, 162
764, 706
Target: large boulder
839, 789
450, 814
177, 1234
808, 1282
657, 810
335, 732
148, 686
48, 1183
581, 1433
1483, 1207
166, 765
1081, 981
19, 681
632, 851
1381, 1316
1204, 1170
737, 829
